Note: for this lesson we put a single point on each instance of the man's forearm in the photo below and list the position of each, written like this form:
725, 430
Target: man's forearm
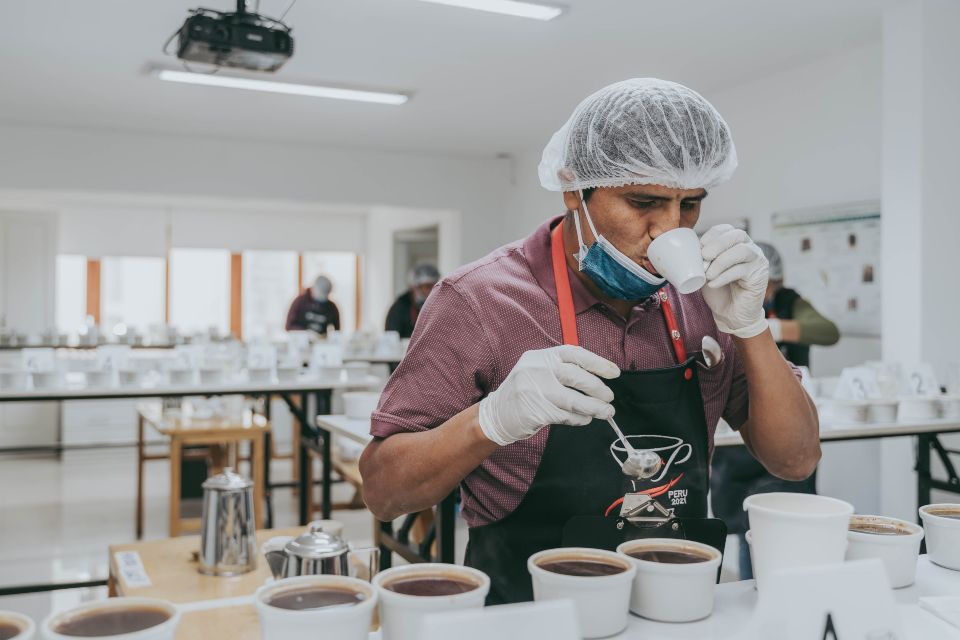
409, 472
783, 429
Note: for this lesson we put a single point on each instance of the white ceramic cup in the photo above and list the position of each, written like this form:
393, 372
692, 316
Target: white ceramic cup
259, 374
401, 615
26, 625
166, 630
792, 530
672, 592
882, 411
950, 406
360, 405
288, 374
602, 602
676, 255
344, 622
918, 408
943, 534
898, 549
181, 376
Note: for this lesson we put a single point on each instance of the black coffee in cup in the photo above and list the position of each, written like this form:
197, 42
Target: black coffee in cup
431, 585
671, 555
111, 621
585, 567
315, 598
9, 630
953, 514
879, 528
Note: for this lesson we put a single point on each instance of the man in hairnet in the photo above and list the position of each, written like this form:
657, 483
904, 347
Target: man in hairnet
519, 359
313, 309
403, 313
795, 325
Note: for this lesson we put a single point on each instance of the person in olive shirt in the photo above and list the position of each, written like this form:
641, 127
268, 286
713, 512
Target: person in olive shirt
795, 326
402, 316
313, 310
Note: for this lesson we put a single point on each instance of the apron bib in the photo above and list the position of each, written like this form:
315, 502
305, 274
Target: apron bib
580, 478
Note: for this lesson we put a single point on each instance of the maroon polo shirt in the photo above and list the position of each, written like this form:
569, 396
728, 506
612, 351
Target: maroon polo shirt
478, 322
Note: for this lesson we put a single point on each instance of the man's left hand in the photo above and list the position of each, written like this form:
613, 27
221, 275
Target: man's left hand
736, 280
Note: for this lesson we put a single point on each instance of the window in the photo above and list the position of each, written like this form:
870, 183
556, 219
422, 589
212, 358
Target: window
71, 293
131, 293
341, 268
200, 290
269, 286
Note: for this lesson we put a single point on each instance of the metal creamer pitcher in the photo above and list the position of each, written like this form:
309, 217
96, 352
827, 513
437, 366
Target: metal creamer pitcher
228, 540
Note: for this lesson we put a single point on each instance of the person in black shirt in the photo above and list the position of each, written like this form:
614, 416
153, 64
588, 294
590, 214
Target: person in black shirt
313, 310
403, 313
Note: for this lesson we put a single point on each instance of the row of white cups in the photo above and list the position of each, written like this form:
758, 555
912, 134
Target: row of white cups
788, 531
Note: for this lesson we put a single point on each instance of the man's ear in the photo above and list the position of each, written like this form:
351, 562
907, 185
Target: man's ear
571, 200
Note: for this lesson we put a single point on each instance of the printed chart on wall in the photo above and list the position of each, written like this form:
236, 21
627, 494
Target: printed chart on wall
831, 256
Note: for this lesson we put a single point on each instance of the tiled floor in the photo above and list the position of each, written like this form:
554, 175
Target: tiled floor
58, 515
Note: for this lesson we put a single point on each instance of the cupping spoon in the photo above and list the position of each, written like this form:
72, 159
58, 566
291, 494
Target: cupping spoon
640, 464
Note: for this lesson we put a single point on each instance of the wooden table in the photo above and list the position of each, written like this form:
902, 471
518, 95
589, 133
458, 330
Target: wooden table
172, 568
183, 432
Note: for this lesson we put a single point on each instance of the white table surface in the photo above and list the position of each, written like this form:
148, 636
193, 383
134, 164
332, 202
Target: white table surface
866, 430
341, 425
304, 383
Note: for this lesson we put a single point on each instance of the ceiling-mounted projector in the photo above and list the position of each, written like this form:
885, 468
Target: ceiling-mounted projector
242, 39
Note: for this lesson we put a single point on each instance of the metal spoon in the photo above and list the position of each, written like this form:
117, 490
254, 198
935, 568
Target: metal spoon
640, 464
712, 353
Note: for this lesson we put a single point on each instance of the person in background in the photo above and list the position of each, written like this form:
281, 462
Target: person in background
313, 310
402, 316
795, 325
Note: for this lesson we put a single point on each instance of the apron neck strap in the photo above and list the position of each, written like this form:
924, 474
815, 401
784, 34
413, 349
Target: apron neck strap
568, 316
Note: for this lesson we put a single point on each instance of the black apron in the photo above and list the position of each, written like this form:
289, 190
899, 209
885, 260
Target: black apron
580, 472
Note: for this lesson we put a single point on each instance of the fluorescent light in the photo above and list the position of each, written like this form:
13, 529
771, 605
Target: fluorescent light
271, 86
533, 10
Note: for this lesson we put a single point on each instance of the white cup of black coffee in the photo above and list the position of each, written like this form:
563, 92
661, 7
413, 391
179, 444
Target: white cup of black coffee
16, 626
675, 579
295, 608
597, 581
941, 524
411, 592
117, 619
896, 543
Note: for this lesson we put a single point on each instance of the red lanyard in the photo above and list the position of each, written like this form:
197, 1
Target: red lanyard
568, 317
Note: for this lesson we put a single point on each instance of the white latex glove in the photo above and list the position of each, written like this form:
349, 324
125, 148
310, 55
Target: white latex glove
558, 385
775, 329
736, 280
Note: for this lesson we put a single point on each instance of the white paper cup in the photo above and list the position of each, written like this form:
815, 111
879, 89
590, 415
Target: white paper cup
164, 631
24, 623
342, 622
602, 602
792, 530
897, 551
676, 255
401, 615
672, 592
943, 534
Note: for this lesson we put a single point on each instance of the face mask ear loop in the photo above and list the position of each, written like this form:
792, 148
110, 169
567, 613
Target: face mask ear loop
586, 212
576, 222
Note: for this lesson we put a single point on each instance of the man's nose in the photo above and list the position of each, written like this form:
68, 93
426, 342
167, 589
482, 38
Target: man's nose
666, 219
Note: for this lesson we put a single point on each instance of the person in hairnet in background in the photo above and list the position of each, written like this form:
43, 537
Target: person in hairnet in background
795, 325
519, 358
403, 313
313, 309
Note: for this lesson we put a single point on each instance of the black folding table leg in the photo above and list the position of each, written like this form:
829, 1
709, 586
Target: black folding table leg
446, 524
924, 443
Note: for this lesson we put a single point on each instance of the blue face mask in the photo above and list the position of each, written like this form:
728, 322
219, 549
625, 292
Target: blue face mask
617, 275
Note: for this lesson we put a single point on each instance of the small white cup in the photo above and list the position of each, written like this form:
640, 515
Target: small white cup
918, 408
602, 602
882, 411
259, 374
26, 625
672, 592
360, 405
898, 551
166, 630
676, 255
950, 406
401, 615
792, 530
943, 534
342, 622
288, 374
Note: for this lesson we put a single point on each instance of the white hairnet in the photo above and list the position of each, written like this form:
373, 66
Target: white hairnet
423, 274
640, 131
773, 259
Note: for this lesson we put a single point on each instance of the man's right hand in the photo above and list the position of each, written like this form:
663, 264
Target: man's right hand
559, 385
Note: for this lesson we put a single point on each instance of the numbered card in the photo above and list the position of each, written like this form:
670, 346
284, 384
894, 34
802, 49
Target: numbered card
857, 383
848, 601
39, 360
920, 380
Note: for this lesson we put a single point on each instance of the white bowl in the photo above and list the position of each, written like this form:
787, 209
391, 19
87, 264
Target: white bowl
356, 371
673, 592
845, 411
943, 534
329, 372
46, 379
164, 631
259, 374
212, 375
602, 602
13, 379
288, 374
950, 406
27, 627
130, 377
918, 408
882, 411
341, 622
181, 376
98, 379
401, 615
898, 552
360, 405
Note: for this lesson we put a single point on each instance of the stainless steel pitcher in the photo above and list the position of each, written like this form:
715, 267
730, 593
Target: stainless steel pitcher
314, 553
228, 541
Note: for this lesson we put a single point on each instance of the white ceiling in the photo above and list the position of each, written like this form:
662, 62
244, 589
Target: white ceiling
482, 83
